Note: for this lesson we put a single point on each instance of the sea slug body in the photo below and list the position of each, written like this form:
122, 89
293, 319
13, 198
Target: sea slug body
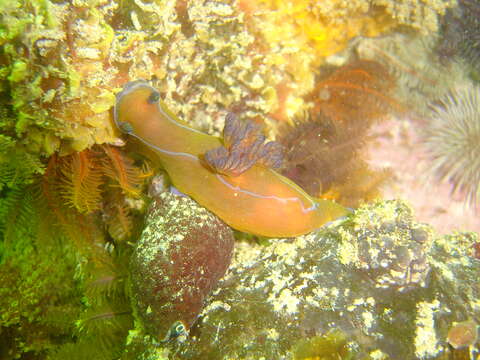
232, 179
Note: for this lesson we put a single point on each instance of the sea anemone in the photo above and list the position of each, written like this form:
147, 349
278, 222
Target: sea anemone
452, 140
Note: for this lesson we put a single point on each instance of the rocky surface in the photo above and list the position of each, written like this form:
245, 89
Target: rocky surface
385, 284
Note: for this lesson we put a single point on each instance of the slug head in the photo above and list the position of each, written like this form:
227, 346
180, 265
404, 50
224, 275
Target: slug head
135, 107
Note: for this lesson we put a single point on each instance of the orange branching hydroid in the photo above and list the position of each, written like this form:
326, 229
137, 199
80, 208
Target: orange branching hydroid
91, 187
117, 215
82, 229
122, 170
355, 93
316, 153
82, 177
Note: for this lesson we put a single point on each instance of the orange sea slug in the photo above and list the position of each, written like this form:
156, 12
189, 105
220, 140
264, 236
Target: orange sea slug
232, 178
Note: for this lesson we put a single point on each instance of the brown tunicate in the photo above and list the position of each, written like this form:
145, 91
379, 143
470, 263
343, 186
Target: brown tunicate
182, 253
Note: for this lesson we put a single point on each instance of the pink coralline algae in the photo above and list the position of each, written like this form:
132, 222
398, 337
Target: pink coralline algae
182, 253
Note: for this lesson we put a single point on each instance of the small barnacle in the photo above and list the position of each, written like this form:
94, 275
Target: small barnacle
178, 330
476, 250
244, 146
463, 334
45, 46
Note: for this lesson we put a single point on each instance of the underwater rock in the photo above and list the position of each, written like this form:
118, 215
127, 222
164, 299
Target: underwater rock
380, 279
460, 34
182, 253
391, 252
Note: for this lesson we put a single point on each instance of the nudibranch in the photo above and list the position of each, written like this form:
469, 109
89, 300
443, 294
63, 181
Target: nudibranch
232, 178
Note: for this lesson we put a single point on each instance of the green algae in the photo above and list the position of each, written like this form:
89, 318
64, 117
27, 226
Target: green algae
40, 296
332, 346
